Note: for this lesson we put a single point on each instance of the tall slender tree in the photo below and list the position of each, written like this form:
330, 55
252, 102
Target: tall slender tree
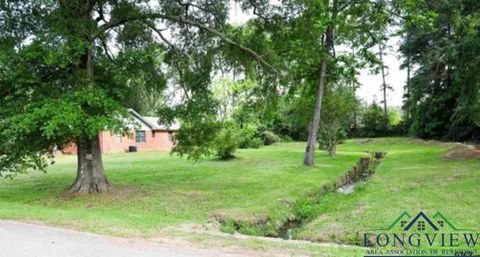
385, 87
327, 45
340, 19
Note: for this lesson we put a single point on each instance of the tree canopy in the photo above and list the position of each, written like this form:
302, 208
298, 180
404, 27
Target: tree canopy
441, 44
69, 69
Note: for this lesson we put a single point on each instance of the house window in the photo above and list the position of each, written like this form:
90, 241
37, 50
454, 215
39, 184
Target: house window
440, 222
118, 139
403, 223
170, 136
140, 136
421, 225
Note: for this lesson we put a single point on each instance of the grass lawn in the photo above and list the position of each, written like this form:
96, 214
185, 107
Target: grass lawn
413, 177
155, 190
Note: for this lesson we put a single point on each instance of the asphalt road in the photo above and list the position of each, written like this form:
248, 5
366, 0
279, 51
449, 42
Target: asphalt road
30, 240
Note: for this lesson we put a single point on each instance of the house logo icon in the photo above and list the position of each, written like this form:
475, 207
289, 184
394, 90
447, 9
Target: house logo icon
422, 231
421, 222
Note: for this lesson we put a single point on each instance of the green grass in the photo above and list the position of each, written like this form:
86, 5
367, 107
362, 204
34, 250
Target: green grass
155, 190
412, 177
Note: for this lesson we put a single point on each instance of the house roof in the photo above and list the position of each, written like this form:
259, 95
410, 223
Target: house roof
403, 214
439, 215
420, 215
154, 123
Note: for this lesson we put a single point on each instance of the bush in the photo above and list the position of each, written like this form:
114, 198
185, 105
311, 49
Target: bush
248, 138
375, 124
226, 143
270, 138
286, 139
342, 136
255, 143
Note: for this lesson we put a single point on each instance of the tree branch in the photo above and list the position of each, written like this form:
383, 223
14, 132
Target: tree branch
170, 44
186, 5
219, 34
374, 39
100, 14
347, 4
180, 76
105, 47
114, 22
255, 11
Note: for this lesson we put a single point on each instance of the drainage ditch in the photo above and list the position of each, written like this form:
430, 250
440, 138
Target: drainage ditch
362, 171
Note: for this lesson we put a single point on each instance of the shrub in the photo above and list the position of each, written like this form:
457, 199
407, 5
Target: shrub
330, 135
286, 139
255, 143
375, 124
307, 208
270, 138
342, 136
226, 142
248, 138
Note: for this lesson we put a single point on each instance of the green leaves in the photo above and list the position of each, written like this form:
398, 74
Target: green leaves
442, 42
48, 99
197, 137
227, 141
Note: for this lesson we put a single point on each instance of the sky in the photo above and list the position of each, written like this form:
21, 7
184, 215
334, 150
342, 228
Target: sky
370, 83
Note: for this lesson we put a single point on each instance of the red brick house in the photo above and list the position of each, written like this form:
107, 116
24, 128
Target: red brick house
148, 134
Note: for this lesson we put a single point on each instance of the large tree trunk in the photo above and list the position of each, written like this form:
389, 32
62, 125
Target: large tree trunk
309, 159
90, 174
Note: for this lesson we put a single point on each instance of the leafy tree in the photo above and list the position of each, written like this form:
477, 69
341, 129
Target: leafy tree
249, 136
239, 105
374, 123
311, 32
60, 81
299, 38
339, 107
293, 116
394, 117
143, 72
269, 137
441, 41
226, 142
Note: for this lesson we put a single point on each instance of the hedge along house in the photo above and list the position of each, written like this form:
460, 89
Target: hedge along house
148, 134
